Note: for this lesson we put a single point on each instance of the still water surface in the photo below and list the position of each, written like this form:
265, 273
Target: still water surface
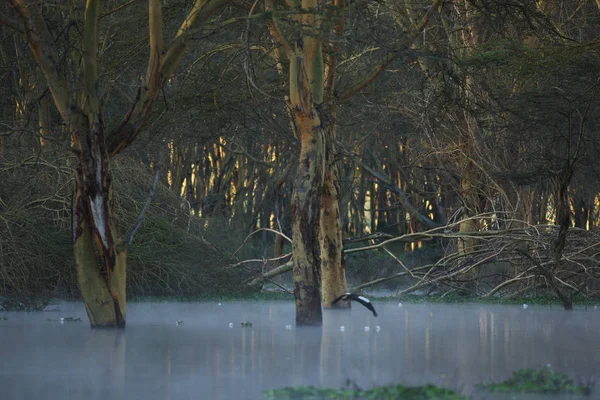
456, 346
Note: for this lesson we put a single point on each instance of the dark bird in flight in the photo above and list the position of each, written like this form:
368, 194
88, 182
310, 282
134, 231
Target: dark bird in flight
362, 300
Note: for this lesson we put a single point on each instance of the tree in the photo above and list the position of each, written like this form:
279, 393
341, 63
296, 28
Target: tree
100, 254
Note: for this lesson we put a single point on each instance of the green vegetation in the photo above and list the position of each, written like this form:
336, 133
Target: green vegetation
393, 392
543, 380
170, 256
246, 324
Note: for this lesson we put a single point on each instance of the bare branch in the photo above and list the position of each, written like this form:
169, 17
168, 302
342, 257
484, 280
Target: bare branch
260, 230
138, 223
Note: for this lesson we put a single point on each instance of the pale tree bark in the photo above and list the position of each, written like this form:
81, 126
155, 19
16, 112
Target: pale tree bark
317, 244
44, 120
333, 271
317, 184
306, 74
100, 256
306, 102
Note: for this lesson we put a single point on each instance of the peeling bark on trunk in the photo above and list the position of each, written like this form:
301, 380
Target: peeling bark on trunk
306, 103
100, 258
333, 271
305, 211
101, 265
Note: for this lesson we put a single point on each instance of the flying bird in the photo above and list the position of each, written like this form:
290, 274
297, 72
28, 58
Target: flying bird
362, 300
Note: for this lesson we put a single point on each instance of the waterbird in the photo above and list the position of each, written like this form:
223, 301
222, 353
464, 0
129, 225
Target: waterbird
524, 305
362, 300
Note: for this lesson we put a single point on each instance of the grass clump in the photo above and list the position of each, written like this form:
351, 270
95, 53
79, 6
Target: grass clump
392, 392
543, 380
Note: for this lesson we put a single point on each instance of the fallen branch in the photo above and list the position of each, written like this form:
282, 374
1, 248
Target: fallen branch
259, 280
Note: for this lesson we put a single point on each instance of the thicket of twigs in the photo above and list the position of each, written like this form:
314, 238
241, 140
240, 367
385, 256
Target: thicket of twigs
510, 259
172, 253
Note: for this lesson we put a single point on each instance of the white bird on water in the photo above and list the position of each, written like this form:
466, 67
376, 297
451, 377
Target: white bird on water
342, 328
525, 306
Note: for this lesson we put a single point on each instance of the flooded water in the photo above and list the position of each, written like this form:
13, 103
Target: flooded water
456, 346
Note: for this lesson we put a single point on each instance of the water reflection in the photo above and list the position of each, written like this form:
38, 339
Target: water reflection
455, 346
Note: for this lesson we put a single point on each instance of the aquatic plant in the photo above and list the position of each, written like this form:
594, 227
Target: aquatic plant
543, 380
392, 392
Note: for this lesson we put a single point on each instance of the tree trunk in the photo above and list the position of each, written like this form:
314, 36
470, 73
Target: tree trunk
563, 220
101, 265
333, 272
305, 211
100, 259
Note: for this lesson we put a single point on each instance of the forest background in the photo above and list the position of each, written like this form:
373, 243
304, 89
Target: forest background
195, 147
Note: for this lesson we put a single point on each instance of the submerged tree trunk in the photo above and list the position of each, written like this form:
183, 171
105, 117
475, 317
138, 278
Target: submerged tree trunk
333, 272
101, 265
305, 211
100, 258
306, 102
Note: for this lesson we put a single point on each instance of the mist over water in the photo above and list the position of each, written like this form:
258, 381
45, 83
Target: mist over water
455, 346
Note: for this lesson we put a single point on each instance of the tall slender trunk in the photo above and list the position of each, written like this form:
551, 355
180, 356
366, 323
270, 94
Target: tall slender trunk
563, 220
333, 272
305, 226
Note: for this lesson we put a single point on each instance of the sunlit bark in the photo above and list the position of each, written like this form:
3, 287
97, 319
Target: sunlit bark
333, 272
100, 256
306, 102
